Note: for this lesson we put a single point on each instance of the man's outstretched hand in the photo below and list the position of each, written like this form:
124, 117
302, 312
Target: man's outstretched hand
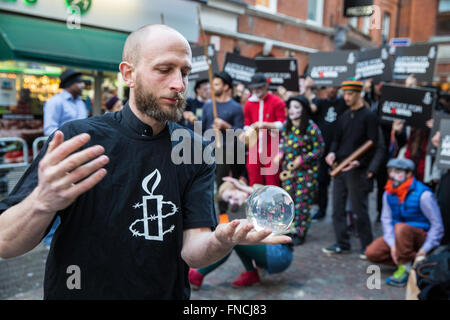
242, 232
65, 174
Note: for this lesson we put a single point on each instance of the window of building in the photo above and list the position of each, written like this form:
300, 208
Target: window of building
386, 26
353, 21
266, 5
444, 5
315, 11
366, 25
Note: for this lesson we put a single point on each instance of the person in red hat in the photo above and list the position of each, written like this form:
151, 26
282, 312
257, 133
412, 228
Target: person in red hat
265, 113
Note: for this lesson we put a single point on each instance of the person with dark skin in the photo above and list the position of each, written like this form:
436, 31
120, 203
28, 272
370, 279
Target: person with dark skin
354, 128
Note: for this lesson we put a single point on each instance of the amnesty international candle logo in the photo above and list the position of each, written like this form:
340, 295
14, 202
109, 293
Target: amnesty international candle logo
83, 5
445, 147
153, 206
443, 153
351, 58
427, 99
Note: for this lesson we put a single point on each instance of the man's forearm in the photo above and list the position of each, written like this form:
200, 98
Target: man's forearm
22, 227
202, 248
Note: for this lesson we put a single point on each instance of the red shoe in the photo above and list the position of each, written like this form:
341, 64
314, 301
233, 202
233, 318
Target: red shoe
246, 279
195, 279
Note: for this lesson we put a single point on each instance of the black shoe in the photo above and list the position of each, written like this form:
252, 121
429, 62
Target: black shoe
298, 241
335, 249
318, 216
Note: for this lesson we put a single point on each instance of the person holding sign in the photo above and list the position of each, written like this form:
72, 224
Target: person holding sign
325, 113
354, 128
265, 113
412, 223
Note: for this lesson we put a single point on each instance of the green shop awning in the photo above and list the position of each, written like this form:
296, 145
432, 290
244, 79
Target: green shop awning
46, 41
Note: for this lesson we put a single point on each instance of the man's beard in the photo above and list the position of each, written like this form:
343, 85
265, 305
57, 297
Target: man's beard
148, 104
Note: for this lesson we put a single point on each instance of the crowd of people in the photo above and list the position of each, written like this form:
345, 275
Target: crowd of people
139, 226
314, 130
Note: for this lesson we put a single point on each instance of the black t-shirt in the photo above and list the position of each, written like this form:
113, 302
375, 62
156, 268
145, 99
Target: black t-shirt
353, 129
126, 233
328, 111
196, 107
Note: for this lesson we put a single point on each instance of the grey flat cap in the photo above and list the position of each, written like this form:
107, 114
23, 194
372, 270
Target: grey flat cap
401, 163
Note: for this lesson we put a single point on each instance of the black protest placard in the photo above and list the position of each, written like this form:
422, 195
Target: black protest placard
375, 64
279, 72
331, 68
437, 116
419, 60
358, 8
239, 68
443, 153
200, 66
414, 106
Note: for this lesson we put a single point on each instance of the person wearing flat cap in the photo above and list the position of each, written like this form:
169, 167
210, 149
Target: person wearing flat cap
412, 222
66, 105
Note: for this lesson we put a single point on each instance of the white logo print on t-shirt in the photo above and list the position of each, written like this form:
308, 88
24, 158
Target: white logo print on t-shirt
148, 216
331, 115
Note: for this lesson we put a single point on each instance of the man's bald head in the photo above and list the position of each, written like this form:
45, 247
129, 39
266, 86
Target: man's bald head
148, 34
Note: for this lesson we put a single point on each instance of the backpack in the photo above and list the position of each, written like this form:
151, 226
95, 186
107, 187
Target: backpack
433, 275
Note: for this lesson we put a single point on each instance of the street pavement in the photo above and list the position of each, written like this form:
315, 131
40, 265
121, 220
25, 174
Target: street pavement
312, 275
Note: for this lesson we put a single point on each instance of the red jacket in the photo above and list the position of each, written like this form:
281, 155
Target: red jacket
273, 109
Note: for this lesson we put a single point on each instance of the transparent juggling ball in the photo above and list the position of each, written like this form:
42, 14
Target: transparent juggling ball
272, 208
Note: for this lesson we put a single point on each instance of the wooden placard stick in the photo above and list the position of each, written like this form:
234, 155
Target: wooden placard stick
210, 74
354, 156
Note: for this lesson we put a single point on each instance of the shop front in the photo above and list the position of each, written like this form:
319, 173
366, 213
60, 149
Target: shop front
33, 54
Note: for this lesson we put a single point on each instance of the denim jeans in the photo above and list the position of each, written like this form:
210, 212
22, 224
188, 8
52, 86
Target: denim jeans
48, 238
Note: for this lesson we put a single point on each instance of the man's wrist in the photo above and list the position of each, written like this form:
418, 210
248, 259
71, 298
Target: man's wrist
219, 245
37, 206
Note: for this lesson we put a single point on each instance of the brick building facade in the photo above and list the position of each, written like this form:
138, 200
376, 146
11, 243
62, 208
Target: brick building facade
296, 28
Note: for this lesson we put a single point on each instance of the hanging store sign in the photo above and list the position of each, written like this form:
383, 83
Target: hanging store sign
358, 8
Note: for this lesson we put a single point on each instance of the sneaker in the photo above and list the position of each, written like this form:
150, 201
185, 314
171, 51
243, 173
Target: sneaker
362, 254
246, 279
195, 279
399, 278
335, 249
318, 216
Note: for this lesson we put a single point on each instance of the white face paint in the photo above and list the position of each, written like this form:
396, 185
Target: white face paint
234, 197
259, 92
397, 176
295, 110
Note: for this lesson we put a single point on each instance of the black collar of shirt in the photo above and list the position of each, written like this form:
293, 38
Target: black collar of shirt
133, 122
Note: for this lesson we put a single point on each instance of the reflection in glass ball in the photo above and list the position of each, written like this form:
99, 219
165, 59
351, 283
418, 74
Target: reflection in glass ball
270, 207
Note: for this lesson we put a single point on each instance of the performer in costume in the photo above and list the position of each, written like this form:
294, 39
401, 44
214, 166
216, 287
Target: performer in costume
302, 147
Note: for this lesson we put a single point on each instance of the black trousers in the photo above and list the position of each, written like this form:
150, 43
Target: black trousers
382, 178
444, 204
323, 183
355, 185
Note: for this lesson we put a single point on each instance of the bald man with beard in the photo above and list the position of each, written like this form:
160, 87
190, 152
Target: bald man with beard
132, 222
